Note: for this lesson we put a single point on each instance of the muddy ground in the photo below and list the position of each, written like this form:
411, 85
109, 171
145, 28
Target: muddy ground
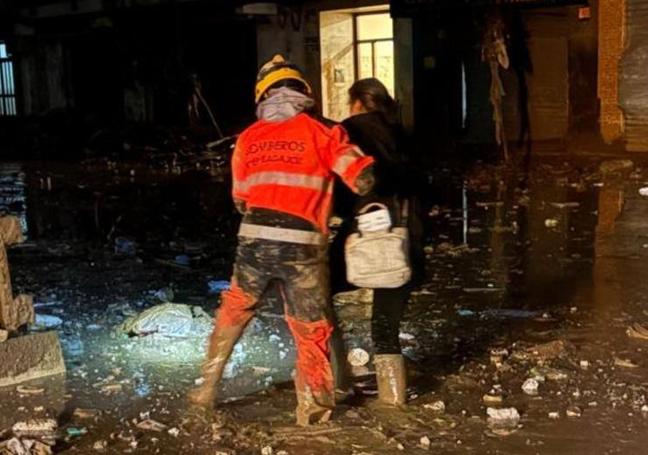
532, 274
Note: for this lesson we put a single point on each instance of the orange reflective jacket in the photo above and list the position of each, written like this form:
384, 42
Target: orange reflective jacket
288, 167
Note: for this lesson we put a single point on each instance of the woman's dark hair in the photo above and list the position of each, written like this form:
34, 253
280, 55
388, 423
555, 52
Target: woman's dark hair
373, 96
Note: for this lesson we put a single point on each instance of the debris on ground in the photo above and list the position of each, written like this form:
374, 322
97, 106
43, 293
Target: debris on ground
171, 320
530, 386
151, 425
46, 322
637, 331
437, 406
358, 357
503, 420
42, 429
84, 413
30, 390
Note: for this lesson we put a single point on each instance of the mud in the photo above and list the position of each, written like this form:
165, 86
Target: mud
508, 297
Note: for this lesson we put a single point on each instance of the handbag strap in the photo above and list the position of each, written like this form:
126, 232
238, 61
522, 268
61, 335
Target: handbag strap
370, 206
404, 211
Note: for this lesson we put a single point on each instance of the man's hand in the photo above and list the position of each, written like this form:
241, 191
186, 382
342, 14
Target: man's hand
240, 206
366, 181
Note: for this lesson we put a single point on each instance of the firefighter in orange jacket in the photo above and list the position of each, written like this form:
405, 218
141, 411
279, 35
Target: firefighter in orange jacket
283, 171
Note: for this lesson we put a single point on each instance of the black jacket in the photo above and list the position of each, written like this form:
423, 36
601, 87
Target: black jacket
397, 178
388, 145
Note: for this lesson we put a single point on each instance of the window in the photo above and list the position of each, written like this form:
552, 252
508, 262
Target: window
374, 47
7, 89
355, 43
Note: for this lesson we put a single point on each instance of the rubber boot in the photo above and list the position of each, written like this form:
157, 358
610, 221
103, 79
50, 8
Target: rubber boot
340, 368
391, 378
313, 407
221, 344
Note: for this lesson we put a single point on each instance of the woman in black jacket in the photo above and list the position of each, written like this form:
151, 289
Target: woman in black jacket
375, 127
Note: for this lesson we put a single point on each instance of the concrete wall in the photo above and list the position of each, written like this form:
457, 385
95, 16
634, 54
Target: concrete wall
338, 68
633, 76
611, 42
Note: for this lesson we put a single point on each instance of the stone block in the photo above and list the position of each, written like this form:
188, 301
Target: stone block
28, 357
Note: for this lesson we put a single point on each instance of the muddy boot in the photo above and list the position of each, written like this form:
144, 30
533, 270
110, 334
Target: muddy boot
339, 366
313, 408
391, 378
221, 344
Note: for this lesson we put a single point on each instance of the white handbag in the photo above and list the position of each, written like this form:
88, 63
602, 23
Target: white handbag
377, 255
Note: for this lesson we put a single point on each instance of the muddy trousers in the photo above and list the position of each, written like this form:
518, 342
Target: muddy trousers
301, 271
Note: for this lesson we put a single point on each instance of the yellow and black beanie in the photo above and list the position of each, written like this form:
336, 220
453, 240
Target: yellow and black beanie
276, 70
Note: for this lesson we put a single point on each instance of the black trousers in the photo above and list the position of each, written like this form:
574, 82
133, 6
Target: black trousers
388, 308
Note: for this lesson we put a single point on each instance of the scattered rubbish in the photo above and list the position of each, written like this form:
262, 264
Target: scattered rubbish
493, 398
574, 412
643, 191
530, 386
172, 320
216, 287
183, 260
27, 390
82, 413
358, 357
46, 322
4, 334
175, 432
125, 246
541, 373
547, 351
625, 363
425, 442
17, 446
151, 425
644, 408
267, 450
554, 415
36, 428
551, 223
584, 364
437, 406
100, 445
498, 355
76, 431
111, 388
503, 417
637, 331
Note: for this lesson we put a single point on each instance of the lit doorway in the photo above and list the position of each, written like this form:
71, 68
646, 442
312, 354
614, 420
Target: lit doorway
355, 44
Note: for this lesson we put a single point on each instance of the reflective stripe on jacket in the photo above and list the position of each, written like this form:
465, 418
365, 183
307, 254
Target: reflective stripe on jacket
289, 167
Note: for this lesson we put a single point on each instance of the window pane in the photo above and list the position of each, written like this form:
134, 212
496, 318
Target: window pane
365, 60
3, 50
374, 26
385, 64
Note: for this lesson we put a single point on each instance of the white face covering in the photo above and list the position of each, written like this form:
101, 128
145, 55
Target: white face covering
282, 104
